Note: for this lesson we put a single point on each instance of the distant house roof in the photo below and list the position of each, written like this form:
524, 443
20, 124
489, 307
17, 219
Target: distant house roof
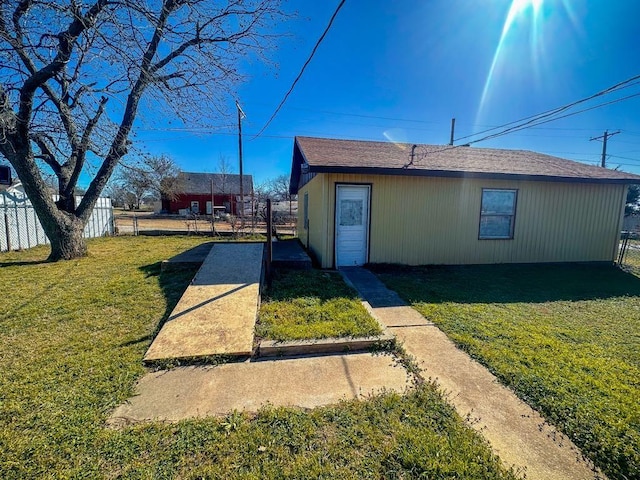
318, 155
200, 183
15, 187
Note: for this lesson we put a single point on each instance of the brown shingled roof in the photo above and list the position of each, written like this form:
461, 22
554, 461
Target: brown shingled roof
200, 183
354, 156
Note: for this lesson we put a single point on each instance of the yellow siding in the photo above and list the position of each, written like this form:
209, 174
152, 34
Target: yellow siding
315, 236
420, 220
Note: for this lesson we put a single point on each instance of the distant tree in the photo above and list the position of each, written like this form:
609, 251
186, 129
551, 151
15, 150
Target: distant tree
116, 193
261, 192
75, 74
224, 169
633, 196
134, 185
154, 177
163, 177
279, 187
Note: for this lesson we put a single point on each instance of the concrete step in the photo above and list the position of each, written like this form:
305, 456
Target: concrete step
290, 254
188, 392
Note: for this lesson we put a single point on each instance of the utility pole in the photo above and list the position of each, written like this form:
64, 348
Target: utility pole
604, 138
213, 210
241, 115
453, 129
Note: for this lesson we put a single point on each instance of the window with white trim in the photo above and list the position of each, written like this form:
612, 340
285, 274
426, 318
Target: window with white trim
497, 213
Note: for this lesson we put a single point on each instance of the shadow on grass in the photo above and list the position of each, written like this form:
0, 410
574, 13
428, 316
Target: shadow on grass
196, 254
144, 338
288, 284
508, 283
24, 263
173, 284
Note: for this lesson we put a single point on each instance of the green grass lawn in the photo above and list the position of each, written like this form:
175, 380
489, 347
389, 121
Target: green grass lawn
308, 304
565, 338
73, 337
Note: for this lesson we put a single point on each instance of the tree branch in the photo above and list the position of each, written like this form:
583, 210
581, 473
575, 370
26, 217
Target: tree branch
18, 13
47, 153
38, 78
119, 144
84, 145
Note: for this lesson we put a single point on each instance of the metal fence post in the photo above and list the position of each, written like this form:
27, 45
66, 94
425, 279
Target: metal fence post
6, 231
269, 244
623, 247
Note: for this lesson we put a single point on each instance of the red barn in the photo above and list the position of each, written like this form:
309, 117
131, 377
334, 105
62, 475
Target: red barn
197, 192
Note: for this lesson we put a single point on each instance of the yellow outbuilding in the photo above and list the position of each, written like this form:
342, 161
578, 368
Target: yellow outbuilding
381, 202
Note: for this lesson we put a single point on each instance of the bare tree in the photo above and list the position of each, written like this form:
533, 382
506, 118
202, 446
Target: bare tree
156, 177
76, 73
279, 187
134, 185
117, 193
261, 192
224, 169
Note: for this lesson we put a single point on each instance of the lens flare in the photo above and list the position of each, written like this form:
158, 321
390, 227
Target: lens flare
518, 8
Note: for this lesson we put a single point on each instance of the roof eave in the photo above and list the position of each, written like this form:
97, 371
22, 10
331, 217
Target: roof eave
463, 174
296, 167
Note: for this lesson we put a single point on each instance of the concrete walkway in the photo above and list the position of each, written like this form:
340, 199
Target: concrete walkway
286, 254
306, 382
217, 313
516, 432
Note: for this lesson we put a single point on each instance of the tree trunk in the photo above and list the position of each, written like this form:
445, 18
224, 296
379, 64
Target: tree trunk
66, 239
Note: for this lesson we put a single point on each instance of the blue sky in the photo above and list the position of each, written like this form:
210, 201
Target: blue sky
400, 70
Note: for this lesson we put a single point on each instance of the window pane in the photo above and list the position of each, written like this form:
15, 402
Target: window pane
498, 202
351, 212
495, 226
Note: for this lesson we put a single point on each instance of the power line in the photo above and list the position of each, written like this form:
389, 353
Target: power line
625, 158
629, 164
541, 120
526, 126
570, 153
554, 111
359, 115
430, 122
315, 48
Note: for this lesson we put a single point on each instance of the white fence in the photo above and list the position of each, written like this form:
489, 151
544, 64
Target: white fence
20, 227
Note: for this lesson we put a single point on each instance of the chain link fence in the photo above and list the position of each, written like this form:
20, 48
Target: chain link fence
21, 229
629, 251
147, 223
136, 222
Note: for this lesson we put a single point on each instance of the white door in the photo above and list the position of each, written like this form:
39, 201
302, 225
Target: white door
352, 224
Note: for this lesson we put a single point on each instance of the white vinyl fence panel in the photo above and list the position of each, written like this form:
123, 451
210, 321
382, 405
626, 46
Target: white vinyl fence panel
20, 227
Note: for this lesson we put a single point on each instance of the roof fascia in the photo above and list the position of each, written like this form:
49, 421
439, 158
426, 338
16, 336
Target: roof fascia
459, 174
